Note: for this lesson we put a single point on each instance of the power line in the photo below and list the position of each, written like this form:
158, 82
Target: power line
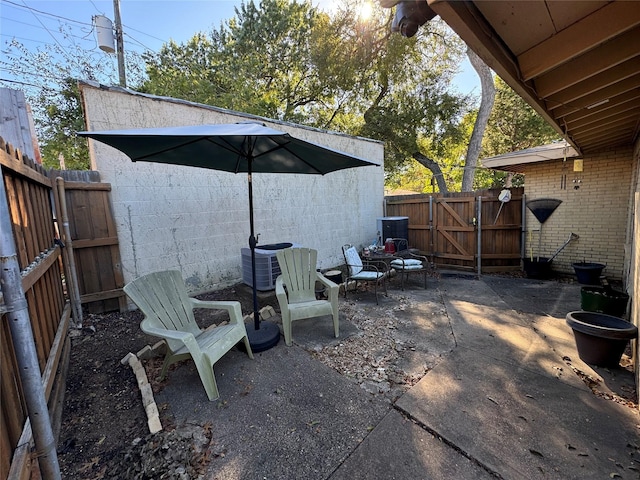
24, 39
41, 28
41, 12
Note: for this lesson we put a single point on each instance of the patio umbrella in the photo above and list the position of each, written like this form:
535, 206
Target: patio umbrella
238, 148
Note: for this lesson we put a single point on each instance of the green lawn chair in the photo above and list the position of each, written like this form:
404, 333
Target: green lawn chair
168, 310
296, 289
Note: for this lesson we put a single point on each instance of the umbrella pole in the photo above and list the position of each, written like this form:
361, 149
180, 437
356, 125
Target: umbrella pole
252, 245
263, 335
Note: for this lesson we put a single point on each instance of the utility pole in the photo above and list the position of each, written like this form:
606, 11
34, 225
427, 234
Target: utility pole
119, 43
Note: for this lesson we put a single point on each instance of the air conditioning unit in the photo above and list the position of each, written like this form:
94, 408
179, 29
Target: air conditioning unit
267, 268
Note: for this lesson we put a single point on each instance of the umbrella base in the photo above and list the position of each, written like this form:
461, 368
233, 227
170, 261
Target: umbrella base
266, 337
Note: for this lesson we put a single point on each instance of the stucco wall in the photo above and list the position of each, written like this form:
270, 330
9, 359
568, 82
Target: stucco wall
197, 220
597, 211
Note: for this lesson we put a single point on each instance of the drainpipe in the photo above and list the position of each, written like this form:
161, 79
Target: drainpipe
17, 314
523, 229
479, 215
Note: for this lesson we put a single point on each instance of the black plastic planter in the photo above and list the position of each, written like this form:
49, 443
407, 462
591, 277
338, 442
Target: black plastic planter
600, 339
588, 273
537, 267
604, 300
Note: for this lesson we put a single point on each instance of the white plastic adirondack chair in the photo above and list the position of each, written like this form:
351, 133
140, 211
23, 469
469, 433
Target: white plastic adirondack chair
168, 310
296, 289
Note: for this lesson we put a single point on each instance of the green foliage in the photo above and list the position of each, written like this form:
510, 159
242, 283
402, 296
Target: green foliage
287, 60
58, 133
514, 125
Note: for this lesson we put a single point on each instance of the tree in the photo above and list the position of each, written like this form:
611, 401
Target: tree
289, 61
260, 62
61, 147
486, 105
514, 125
50, 87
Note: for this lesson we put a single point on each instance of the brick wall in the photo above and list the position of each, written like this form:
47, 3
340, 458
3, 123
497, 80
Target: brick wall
595, 205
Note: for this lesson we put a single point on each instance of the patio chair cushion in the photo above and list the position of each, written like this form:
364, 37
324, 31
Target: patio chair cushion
407, 263
365, 275
355, 262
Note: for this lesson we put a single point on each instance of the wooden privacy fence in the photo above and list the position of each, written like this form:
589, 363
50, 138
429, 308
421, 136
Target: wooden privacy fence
31, 202
471, 231
73, 257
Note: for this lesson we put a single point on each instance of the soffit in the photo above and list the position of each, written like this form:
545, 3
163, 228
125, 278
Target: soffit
575, 62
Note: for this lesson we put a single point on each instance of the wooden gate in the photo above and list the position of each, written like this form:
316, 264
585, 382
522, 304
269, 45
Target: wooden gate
454, 231
469, 231
94, 241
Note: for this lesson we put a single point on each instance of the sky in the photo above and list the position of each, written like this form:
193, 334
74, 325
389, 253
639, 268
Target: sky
147, 25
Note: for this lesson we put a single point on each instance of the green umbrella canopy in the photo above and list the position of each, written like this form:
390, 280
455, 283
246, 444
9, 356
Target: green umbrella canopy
236, 148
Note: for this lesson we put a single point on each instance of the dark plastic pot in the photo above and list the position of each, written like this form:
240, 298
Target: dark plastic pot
604, 300
537, 268
588, 273
600, 338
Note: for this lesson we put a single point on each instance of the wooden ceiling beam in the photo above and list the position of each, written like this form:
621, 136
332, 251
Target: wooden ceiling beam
605, 133
560, 110
575, 121
594, 62
601, 26
613, 102
606, 143
561, 94
623, 120
469, 23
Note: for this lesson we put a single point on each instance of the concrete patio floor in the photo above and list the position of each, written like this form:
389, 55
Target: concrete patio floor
500, 397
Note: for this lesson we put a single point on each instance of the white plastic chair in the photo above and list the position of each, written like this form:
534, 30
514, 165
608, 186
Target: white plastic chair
296, 290
168, 310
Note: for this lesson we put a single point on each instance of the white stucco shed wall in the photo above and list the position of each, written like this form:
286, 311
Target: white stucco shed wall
197, 220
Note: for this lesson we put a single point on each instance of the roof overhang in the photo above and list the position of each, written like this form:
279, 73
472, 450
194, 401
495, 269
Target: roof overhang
516, 161
577, 63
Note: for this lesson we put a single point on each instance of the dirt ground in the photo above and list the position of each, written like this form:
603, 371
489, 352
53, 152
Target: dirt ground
104, 432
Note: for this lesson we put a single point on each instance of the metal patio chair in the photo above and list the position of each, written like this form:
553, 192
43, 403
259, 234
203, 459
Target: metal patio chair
370, 272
